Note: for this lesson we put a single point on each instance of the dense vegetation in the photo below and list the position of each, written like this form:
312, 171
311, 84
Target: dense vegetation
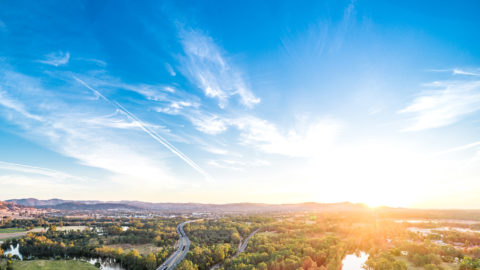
284, 242
213, 241
97, 238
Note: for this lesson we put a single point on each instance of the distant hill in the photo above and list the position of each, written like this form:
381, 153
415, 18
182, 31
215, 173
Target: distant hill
35, 202
51, 202
187, 207
11, 206
91, 206
10, 209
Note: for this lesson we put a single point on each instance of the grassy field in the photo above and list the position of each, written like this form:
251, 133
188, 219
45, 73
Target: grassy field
4, 236
445, 266
142, 249
50, 265
7, 233
11, 230
71, 228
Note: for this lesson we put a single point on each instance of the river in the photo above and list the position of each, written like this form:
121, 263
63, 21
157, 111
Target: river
354, 262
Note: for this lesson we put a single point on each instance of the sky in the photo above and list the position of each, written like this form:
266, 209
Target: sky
241, 101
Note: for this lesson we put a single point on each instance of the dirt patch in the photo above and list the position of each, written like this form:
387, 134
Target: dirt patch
142, 249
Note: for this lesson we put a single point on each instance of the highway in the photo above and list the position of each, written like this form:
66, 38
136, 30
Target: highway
182, 250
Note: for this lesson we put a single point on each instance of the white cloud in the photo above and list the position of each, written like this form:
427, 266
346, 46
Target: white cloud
216, 164
16, 106
176, 106
267, 137
151, 92
170, 69
56, 59
208, 123
206, 66
444, 105
317, 137
117, 120
87, 134
457, 71
152, 133
238, 165
215, 150
53, 174
459, 148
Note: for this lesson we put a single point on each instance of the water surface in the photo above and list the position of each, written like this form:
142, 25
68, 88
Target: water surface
354, 262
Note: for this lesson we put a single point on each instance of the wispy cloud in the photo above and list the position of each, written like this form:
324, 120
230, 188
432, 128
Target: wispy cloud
269, 138
53, 174
77, 131
208, 123
445, 103
176, 106
170, 69
152, 133
317, 137
56, 59
117, 120
216, 150
16, 106
457, 71
238, 165
343, 27
210, 70
460, 148
150, 92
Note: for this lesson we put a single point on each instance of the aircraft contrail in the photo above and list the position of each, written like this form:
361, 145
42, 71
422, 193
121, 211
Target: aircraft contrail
150, 132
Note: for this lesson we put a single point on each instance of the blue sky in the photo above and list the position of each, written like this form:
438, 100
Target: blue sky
223, 101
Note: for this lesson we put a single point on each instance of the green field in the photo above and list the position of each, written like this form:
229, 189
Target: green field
11, 230
444, 265
50, 265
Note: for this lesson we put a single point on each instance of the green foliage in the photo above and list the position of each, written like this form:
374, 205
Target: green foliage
213, 241
290, 251
186, 265
385, 261
89, 243
469, 264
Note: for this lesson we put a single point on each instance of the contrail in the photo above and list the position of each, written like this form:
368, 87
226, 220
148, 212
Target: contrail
150, 132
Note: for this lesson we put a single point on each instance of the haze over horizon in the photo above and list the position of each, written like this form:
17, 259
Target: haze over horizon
223, 102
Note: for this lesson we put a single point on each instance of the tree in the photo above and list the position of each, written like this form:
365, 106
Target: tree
9, 265
262, 266
399, 265
235, 237
308, 263
469, 264
187, 265
151, 261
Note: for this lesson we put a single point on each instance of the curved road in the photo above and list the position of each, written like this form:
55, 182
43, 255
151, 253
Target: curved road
181, 252
245, 243
241, 248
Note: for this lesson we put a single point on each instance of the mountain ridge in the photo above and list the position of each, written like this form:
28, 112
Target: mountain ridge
180, 207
